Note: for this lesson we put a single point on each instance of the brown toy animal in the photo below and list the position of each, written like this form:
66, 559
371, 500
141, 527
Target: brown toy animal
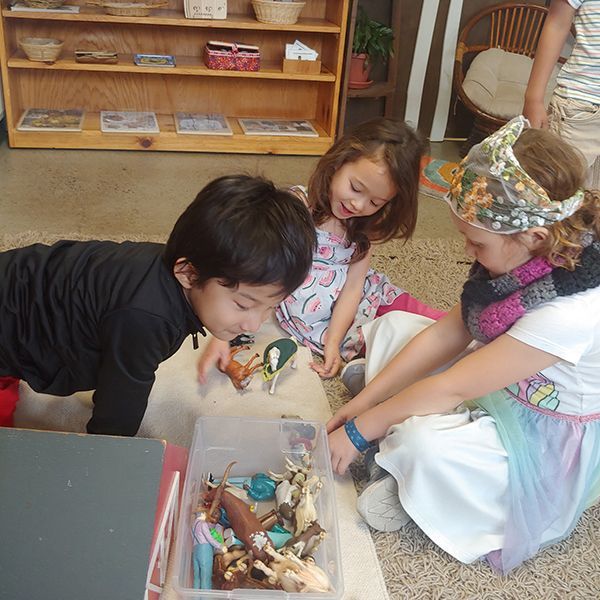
241, 374
244, 522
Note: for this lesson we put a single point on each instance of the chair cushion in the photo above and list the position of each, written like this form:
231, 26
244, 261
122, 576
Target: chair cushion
496, 81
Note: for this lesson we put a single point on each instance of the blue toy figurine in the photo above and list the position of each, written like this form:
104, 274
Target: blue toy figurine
207, 536
276, 355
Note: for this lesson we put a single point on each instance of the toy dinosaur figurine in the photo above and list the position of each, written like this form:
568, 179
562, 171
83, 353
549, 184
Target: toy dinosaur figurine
241, 374
275, 357
244, 522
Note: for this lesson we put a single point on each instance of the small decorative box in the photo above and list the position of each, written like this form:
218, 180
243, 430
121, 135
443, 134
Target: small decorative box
231, 57
205, 9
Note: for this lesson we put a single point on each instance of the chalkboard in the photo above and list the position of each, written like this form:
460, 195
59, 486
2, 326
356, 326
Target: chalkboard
76, 514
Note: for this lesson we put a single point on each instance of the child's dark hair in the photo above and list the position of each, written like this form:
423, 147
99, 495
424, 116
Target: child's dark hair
243, 229
381, 140
560, 169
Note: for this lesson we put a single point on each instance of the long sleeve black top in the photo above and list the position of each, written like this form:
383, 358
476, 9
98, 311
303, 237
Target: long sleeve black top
92, 315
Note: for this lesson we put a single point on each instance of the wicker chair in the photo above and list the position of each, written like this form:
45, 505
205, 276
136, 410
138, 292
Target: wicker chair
511, 31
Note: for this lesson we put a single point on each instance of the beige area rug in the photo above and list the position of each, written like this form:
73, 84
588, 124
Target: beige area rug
413, 567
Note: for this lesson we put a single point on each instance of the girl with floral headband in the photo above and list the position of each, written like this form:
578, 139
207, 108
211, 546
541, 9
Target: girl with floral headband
488, 420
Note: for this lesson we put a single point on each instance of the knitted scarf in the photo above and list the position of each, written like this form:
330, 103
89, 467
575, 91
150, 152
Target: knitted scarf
491, 306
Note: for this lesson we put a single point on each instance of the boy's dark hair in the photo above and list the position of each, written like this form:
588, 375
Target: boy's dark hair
392, 143
243, 229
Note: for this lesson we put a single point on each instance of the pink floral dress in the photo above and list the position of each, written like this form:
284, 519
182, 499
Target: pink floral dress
306, 313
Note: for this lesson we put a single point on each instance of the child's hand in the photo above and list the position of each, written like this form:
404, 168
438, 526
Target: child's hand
341, 450
217, 354
332, 361
536, 113
342, 415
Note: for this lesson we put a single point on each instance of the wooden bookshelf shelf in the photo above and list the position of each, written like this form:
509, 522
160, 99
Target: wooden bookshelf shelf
188, 87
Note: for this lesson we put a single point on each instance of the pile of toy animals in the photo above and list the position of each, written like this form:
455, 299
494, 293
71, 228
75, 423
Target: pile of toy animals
235, 547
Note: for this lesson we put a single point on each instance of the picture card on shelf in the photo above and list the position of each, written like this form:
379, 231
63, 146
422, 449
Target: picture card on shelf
202, 124
294, 127
96, 56
113, 121
154, 60
65, 8
51, 119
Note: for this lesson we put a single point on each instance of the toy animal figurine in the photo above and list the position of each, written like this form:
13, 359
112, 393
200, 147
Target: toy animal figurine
294, 574
241, 374
307, 543
285, 501
244, 522
305, 512
261, 487
275, 357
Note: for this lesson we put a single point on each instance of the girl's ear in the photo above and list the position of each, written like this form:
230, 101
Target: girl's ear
536, 236
185, 273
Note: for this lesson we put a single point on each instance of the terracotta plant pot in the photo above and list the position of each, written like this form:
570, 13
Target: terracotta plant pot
358, 77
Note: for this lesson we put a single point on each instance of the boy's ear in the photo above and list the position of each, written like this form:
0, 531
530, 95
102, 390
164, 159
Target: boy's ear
185, 273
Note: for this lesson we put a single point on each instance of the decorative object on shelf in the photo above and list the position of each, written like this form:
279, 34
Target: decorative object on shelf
105, 57
301, 67
301, 59
127, 9
277, 127
51, 119
41, 49
205, 9
231, 57
154, 60
277, 11
202, 124
372, 43
112, 121
62, 8
44, 3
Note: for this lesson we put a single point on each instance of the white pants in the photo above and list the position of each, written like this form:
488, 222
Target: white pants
451, 469
578, 123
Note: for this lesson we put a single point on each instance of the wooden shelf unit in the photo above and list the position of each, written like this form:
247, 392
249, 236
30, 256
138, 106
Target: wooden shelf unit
188, 87
380, 89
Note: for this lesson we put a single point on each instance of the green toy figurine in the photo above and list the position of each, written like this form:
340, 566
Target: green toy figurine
276, 356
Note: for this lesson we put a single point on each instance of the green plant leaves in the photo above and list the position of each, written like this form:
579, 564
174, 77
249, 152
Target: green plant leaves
372, 38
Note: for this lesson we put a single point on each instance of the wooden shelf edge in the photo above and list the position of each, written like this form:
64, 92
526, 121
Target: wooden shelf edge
171, 141
173, 18
377, 90
184, 66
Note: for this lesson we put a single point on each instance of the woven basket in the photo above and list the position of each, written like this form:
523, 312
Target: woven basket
127, 9
44, 3
282, 13
41, 49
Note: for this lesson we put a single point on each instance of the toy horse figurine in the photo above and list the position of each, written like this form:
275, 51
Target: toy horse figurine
276, 356
241, 374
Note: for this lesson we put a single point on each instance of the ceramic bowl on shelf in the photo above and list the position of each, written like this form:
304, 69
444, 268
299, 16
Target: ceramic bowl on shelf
41, 49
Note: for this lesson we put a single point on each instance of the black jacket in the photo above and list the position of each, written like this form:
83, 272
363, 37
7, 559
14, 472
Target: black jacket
92, 315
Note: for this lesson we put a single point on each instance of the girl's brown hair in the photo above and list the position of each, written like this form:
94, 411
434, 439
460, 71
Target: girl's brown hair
381, 140
560, 169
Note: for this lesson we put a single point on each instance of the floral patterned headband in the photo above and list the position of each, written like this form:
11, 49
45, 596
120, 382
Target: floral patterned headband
491, 190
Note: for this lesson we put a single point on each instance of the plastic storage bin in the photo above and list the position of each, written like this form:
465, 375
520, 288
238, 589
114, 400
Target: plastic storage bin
257, 445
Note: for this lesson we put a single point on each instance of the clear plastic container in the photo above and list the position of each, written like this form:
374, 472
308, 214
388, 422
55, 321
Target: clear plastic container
257, 445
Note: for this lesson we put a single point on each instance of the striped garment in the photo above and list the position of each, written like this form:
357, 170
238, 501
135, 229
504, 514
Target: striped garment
579, 79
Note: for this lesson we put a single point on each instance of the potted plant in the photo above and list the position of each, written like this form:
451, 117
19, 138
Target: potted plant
372, 43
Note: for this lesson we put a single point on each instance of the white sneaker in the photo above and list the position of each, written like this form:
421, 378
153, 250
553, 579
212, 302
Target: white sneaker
353, 376
380, 506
